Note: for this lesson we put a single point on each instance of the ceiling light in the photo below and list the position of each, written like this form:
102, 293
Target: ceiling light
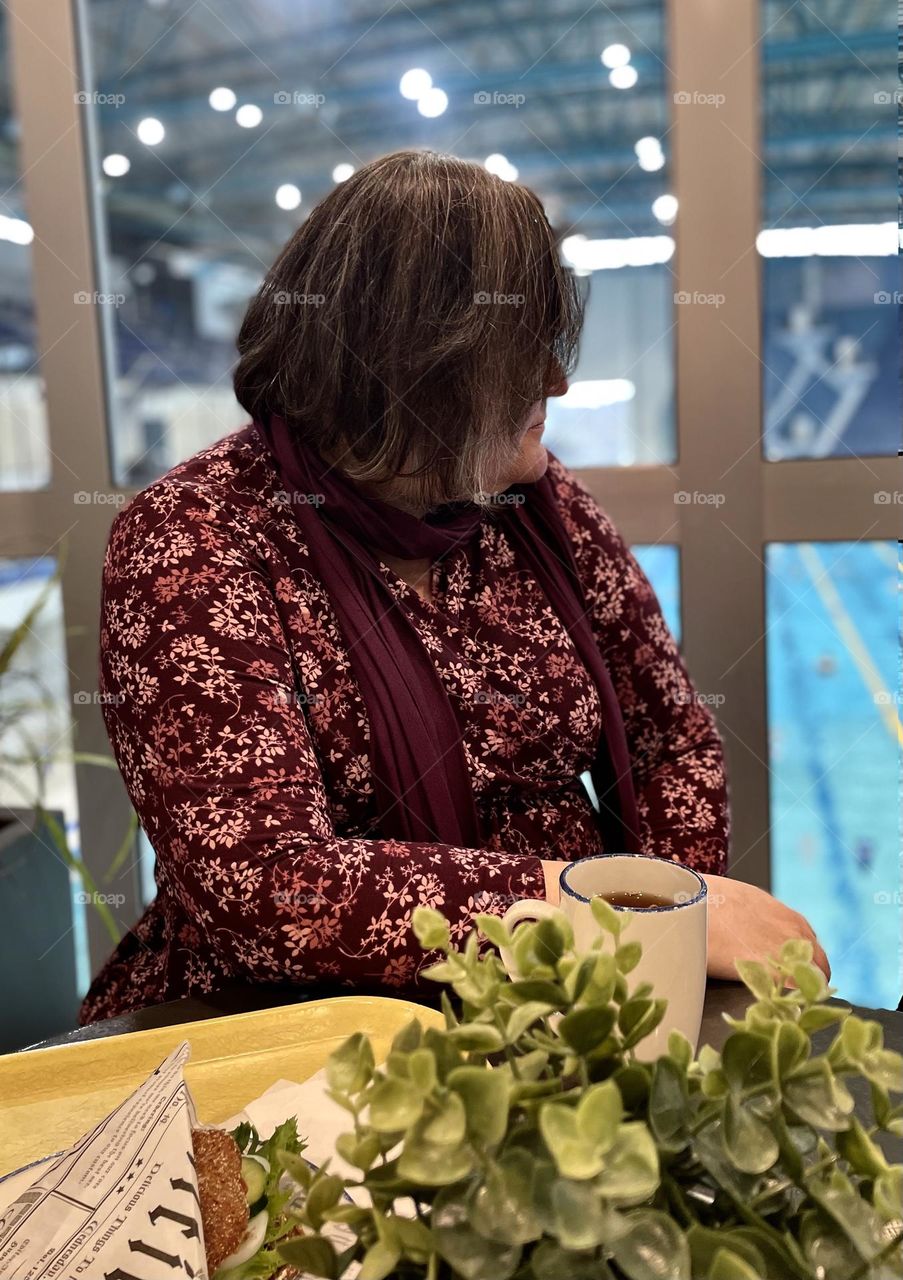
415, 83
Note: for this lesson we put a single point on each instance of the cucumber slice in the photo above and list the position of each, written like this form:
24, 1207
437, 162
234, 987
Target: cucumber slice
255, 1171
262, 1204
253, 1239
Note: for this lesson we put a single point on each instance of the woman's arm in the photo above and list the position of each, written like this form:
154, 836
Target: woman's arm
678, 763
674, 744
205, 720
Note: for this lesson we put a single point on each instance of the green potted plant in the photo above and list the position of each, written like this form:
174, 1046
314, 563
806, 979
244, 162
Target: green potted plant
525, 1141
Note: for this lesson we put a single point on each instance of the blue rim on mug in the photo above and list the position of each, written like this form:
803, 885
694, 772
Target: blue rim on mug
597, 857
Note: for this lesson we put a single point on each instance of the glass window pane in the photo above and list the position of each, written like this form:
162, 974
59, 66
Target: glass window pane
831, 283
49, 952
832, 612
24, 452
201, 191
619, 410
34, 691
661, 565
147, 861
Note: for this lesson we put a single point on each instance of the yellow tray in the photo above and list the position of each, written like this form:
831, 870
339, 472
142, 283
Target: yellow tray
50, 1097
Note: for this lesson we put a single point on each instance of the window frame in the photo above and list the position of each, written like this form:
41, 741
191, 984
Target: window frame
718, 364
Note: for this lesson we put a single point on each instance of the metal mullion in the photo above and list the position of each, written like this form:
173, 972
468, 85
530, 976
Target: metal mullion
29, 523
713, 51
828, 499
640, 500
831, 499
59, 193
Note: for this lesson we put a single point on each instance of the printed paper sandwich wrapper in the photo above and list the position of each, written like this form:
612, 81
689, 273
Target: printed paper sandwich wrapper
122, 1201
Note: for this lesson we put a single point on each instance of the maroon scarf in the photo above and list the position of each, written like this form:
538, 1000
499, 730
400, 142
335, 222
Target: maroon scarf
420, 776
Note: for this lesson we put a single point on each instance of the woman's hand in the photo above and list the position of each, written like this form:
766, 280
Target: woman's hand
746, 923
552, 871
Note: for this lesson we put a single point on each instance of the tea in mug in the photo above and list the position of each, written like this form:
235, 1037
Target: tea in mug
636, 899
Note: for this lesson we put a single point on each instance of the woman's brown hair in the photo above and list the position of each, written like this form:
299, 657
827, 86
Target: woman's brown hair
410, 322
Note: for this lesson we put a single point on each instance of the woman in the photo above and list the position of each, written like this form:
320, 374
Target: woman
370, 650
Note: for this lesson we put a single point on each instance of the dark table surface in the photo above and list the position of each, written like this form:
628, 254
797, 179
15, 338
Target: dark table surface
721, 998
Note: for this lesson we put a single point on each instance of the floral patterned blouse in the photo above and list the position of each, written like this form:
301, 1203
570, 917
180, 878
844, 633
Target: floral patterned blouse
243, 738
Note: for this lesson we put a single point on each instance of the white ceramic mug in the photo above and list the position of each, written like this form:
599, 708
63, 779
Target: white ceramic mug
673, 936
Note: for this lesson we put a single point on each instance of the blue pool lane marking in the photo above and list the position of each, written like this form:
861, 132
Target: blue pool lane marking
835, 755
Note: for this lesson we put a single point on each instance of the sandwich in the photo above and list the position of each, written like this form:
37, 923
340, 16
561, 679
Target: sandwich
244, 1211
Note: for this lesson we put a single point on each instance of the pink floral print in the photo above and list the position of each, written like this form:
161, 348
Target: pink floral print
243, 738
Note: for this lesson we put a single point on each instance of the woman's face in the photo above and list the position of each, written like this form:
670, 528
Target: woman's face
532, 459
529, 464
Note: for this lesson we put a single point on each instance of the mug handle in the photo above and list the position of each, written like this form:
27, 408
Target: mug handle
526, 909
